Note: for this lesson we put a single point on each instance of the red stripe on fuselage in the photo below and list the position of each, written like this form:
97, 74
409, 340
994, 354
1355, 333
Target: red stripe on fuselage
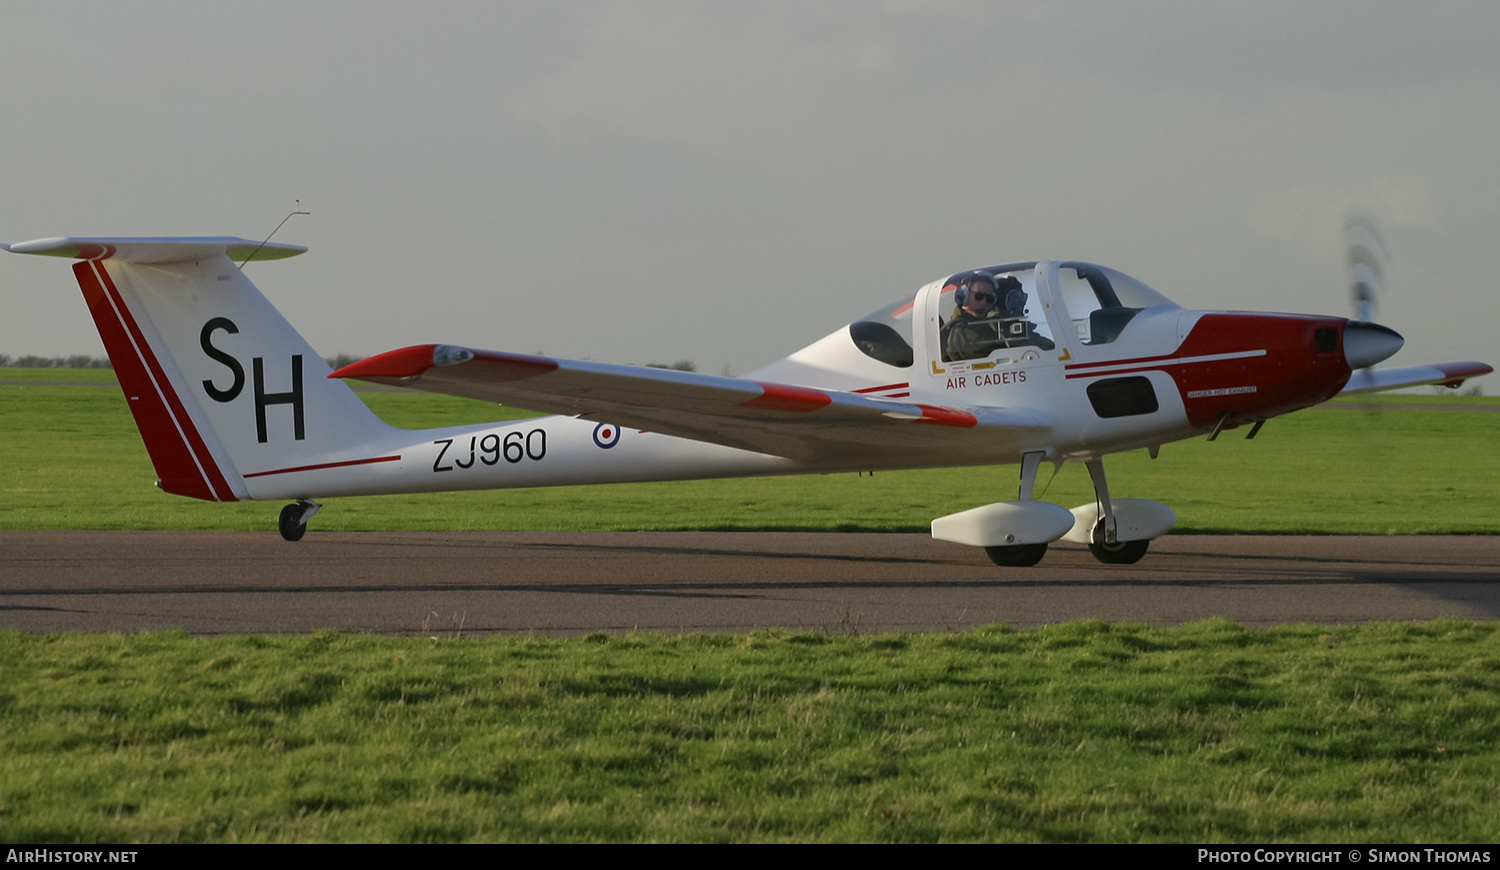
324, 465
181, 458
1154, 363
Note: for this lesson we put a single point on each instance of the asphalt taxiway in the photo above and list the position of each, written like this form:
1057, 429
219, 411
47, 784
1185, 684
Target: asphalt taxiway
448, 583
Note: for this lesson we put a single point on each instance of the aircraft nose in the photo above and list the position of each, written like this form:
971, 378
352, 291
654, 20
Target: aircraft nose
1366, 344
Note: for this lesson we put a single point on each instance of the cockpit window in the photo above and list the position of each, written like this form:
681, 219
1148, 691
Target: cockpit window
993, 313
997, 314
1101, 301
885, 335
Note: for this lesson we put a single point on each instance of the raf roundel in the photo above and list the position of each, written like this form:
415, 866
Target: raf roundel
606, 435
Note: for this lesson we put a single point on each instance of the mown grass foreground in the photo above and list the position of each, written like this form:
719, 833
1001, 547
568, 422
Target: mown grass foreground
1079, 732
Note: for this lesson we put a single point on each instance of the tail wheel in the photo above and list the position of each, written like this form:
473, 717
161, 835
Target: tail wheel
1120, 553
1018, 555
291, 523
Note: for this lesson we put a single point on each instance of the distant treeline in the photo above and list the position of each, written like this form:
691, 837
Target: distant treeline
77, 361
81, 361
343, 359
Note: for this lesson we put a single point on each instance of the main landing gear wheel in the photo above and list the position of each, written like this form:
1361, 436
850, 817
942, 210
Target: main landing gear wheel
1120, 553
1018, 555
292, 526
293, 520
1106, 551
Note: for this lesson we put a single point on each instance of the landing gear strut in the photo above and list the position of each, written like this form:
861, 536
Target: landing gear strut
294, 517
1104, 543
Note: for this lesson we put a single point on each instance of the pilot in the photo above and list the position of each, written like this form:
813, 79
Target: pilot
971, 331
1015, 329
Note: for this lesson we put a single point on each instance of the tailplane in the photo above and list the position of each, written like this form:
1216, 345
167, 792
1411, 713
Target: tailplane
222, 388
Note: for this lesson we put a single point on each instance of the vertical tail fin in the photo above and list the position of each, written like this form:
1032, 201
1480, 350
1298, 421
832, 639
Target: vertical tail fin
222, 388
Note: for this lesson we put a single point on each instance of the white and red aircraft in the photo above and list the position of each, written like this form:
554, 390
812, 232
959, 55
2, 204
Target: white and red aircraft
1020, 363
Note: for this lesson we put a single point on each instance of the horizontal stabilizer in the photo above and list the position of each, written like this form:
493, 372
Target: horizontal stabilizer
157, 251
1442, 374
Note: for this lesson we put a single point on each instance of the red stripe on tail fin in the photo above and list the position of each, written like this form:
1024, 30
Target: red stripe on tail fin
178, 452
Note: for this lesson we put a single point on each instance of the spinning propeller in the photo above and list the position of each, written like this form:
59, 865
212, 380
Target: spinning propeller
1365, 341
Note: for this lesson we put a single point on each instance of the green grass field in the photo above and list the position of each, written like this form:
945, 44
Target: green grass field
72, 459
1083, 732
11, 373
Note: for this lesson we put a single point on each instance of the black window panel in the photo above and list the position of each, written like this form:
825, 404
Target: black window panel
1123, 397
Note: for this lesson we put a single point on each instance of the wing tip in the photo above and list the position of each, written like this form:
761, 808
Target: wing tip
1449, 374
406, 362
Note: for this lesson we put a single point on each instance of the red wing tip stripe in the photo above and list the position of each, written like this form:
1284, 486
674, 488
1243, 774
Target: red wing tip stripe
780, 397
403, 363
324, 465
886, 387
936, 415
1464, 369
409, 362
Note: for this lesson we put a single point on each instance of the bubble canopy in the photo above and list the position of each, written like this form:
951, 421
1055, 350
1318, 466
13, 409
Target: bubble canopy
886, 333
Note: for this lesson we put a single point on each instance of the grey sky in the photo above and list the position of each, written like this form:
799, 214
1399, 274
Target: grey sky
726, 182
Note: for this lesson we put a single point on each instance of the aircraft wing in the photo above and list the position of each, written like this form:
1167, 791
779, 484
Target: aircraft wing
828, 428
1444, 374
